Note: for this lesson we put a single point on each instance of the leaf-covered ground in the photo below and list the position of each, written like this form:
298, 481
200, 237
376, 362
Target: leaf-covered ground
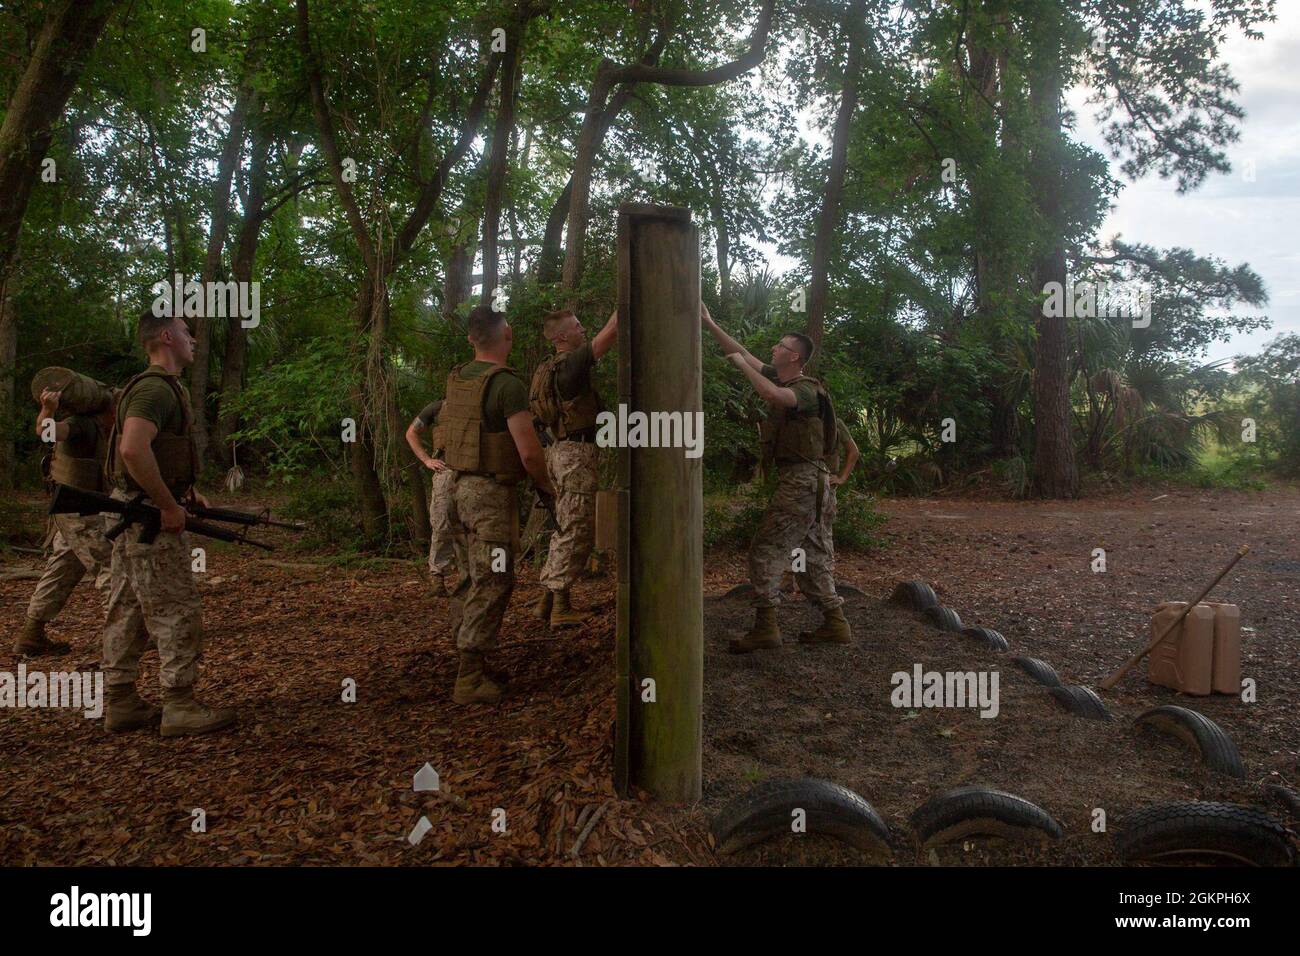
309, 779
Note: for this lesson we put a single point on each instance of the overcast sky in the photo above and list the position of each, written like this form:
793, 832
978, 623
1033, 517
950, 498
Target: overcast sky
1229, 217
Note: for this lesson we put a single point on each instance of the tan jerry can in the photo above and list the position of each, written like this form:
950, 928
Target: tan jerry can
1226, 669
1184, 660
607, 520
80, 394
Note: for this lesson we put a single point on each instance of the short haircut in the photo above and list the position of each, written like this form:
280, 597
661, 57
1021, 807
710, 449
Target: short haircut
152, 326
805, 349
485, 326
552, 321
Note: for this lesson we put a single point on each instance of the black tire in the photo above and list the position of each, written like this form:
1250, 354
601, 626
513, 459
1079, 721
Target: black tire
1041, 671
944, 618
1080, 701
1215, 747
740, 590
1226, 831
914, 594
981, 811
990, 638
765, 812
1285, 796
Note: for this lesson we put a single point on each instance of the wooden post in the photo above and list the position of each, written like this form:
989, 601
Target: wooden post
660, 492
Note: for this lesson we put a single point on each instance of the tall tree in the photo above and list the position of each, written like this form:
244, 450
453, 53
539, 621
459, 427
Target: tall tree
382, 250
828, 217
610, 75
64, 44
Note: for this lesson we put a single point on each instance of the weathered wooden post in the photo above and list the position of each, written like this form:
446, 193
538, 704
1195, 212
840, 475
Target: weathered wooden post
660, 491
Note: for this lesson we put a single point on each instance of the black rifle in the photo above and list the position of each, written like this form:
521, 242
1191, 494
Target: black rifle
73, 501
236, 516
545, 502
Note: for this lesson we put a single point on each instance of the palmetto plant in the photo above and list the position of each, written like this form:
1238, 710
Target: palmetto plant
1133, 408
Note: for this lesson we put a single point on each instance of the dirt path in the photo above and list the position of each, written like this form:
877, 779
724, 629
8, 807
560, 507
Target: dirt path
308, 778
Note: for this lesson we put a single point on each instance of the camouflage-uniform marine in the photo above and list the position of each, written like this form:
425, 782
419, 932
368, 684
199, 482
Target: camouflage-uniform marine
153, 590
79, 546
483, 511
563, 399
799, 516
444, 554
833, 463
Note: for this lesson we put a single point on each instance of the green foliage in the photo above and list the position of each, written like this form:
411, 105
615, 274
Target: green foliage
293, 411
1272, 383
731, 520
325, 505
932, 300
856, 520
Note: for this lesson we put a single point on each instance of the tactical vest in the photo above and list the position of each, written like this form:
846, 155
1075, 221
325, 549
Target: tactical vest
178, 460
835, 459
87, 474
470, 447
788, 435
563, 417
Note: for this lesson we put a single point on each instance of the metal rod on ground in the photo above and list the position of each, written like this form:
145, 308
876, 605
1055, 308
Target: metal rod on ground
660, 510
1113, 679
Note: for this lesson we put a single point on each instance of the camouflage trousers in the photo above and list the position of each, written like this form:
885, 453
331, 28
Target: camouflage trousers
572, 468
484, 515
79, 548
791, 537
152, 593
446, 551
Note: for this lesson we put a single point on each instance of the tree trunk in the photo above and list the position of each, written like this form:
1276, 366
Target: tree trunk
551, 258
382, 401
829, 217
723, 245
1055, 473
456, 282
8, 370
584, 158
995, 277
67, 36
245, 101
365, 476
499, 161
244, 260
608, 76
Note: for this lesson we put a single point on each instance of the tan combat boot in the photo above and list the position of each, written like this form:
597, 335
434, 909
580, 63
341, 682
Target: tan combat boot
542, 606
32, 641
472, 685
834, 629
183, 715
563, 613
127, 711
762, 636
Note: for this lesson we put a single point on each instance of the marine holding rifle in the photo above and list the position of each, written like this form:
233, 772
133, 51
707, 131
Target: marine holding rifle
151, 454
79, 547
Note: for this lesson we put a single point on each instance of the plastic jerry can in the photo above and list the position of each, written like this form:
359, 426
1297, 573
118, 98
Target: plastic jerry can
1184, 660
1226, 669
